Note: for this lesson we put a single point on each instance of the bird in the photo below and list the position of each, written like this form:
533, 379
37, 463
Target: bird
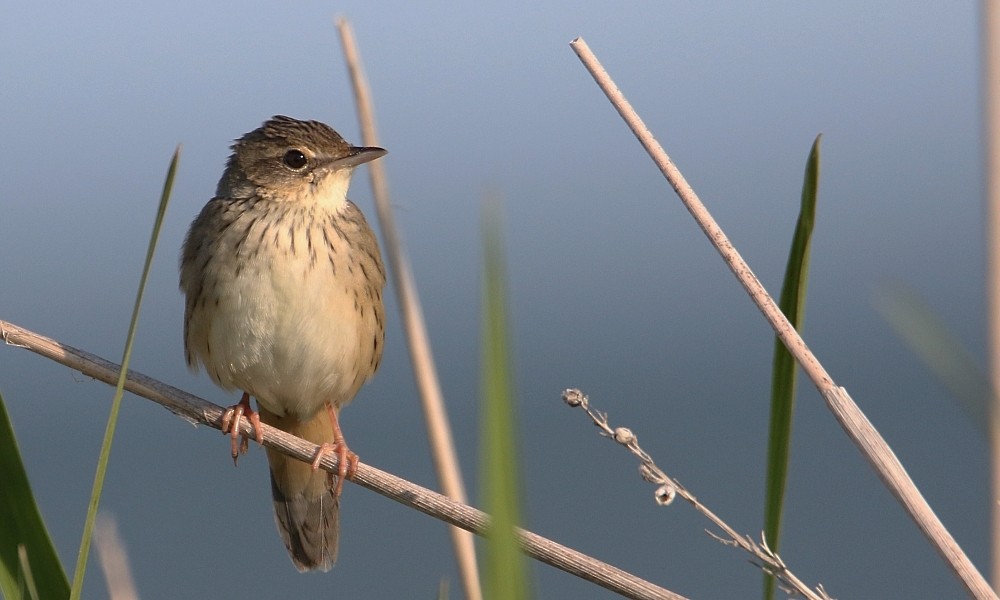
283, 282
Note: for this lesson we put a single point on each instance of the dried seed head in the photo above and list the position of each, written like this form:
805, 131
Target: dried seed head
624, 436
573, 397
665, 494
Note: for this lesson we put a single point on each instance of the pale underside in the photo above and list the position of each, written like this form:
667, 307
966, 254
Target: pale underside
286, 325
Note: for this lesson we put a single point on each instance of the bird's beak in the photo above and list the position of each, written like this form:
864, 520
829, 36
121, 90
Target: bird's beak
358, 155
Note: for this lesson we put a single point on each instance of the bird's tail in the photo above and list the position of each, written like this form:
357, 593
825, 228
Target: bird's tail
305, 508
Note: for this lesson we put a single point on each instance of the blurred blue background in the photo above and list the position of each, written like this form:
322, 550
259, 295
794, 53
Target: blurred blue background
613, 288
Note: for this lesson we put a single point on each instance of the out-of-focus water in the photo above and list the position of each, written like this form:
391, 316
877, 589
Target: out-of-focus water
613, 288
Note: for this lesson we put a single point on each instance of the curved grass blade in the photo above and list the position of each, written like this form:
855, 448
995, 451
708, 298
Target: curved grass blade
26, 551
783, 373
109, 432
939, 349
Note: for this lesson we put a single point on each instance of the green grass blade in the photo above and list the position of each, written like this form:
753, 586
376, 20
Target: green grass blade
939, 350
22, 530
783, 374
109, 432
505, 569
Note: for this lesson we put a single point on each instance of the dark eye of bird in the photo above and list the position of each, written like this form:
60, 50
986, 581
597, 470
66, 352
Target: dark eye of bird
294, 159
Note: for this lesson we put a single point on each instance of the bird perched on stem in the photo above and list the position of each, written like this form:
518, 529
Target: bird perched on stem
283, 282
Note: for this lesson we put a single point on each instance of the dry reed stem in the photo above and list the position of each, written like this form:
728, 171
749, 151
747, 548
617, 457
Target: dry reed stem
197, 410
113, 559
991, 113
852, 420
428, 387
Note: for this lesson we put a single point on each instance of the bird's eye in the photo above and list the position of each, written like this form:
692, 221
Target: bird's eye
294, 159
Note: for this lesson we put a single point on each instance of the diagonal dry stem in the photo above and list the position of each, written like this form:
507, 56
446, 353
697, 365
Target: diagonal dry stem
196, 410
438, 427
852, 420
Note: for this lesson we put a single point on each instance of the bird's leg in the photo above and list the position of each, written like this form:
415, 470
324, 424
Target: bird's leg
231, 425
347, 461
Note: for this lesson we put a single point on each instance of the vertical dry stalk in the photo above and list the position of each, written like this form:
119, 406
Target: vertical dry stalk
853, 421
991, 123
428, 386
114, 560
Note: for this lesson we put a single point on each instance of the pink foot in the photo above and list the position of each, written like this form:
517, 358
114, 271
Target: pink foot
231, 425
347, 461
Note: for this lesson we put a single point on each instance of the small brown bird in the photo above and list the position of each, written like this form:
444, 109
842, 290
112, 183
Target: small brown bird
283, 280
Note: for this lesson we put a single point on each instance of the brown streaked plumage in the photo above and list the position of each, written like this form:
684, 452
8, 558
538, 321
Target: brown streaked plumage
283, 280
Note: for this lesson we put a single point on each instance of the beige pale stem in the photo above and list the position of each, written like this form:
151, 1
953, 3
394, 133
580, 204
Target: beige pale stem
438, 426
991, 119
197, 410
868, 440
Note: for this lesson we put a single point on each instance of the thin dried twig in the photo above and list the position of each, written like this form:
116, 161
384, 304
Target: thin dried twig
198, 411
113, 559
669, 488
990, 48
438, 427
868, 440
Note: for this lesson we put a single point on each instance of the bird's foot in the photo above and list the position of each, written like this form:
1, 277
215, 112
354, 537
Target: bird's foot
347, 462
231, 425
